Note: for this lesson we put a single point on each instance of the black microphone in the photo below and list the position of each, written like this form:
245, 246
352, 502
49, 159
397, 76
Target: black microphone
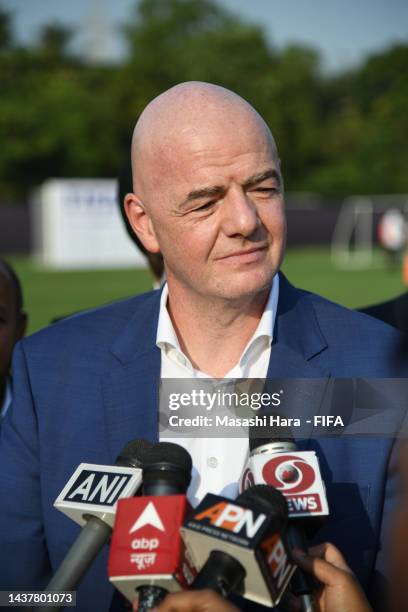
222, 572
296, 474
167, 470
166, 473
90, 498
239, 546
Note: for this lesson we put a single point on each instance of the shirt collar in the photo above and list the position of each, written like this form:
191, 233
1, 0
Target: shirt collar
165, 330
166, 336
265, 325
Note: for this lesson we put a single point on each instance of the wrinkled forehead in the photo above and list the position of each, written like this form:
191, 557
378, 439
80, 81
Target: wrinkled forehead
175, 129
221, 146
219, 140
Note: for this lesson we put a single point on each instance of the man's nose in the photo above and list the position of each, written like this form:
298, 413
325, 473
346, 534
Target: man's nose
240, 215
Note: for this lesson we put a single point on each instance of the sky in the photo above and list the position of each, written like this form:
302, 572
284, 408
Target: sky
344, 31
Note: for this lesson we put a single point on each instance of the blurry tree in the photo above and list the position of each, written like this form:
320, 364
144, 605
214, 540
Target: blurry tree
54, 41
382, 93
292, 93
5, 29
366, 149
55, 115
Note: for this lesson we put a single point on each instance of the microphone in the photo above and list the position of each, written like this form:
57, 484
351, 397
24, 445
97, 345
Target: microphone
147, 555
296, 474
240, 546
90, 498
167, 470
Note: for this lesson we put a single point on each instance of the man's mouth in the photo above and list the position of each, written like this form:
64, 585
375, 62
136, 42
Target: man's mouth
250, 255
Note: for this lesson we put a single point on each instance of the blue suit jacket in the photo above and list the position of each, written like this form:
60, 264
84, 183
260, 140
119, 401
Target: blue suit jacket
87, 385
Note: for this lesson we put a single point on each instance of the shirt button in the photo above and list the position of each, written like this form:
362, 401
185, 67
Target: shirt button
212, 462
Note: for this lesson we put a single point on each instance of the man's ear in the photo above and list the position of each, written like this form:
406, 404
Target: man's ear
141, 222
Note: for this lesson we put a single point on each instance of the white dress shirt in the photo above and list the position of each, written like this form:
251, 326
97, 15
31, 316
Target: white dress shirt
217, 462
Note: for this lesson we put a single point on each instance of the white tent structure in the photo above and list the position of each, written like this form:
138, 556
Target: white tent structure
76, 224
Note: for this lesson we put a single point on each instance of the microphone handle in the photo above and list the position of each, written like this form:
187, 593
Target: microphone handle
80, 556
221, 573
150, 597
307, 603
302, 584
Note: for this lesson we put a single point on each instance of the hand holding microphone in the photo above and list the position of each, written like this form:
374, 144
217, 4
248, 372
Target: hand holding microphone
341, 591
296, 474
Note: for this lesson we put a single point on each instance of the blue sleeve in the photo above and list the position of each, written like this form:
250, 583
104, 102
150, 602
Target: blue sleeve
24, 562
379, 586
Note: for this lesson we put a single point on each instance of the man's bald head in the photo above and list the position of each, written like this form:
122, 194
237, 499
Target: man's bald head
183, 115
208, 189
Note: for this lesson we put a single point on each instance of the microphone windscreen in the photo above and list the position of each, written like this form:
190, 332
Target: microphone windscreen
168, 452
265, 498
260, 435
134, 453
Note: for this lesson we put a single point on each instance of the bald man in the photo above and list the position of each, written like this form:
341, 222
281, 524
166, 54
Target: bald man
208, 195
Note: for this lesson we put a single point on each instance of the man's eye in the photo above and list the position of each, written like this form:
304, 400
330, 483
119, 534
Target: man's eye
270, 190
205, 206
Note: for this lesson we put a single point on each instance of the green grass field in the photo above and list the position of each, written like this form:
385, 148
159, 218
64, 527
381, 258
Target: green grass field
50, 294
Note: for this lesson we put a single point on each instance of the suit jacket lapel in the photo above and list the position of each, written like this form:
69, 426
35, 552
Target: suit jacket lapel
297, 340
131, 386
297, 337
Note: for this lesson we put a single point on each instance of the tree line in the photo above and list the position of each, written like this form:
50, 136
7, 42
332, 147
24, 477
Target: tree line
61, 116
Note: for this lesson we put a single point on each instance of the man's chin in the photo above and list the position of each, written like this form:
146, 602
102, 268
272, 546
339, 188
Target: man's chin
242, 290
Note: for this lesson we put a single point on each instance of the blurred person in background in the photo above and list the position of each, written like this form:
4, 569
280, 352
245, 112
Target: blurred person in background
394, 312
339, 591
13, 324
392, 235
